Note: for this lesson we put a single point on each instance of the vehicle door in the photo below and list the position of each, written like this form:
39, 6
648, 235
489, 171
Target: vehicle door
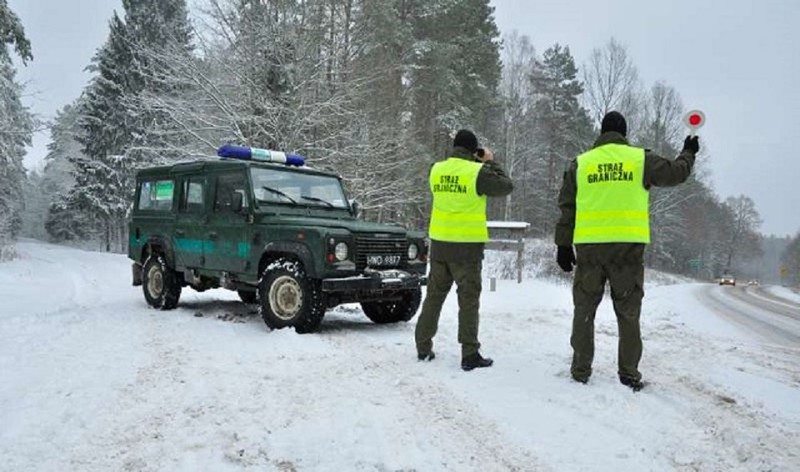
228, 229
154, 213
190, 225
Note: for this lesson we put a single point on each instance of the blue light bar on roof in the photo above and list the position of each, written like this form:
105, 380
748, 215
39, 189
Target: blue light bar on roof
231, 151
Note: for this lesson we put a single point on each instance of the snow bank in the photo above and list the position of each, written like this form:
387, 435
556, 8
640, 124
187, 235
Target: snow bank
539, 262
784, 292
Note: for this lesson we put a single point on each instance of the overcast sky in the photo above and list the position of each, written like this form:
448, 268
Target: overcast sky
733, 59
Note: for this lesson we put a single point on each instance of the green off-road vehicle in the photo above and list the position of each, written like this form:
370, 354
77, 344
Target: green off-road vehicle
284, 237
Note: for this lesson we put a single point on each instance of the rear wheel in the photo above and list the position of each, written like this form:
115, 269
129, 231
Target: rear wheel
287, 297
161, 285
394, 311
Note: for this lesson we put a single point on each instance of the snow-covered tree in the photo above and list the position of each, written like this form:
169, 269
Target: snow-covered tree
744, 240
120, 132
62, 222
518, 97
611, 82
13, 33
16, 126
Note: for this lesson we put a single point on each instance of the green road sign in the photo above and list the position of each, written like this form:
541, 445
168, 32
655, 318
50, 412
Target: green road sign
695, 263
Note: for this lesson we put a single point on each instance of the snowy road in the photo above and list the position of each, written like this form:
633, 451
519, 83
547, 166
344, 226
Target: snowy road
774, 318
93, 380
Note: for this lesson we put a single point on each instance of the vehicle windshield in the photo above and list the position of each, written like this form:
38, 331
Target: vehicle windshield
277, 186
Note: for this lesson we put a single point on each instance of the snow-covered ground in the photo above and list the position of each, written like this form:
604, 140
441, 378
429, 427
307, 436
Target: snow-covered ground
784, 292
93, 380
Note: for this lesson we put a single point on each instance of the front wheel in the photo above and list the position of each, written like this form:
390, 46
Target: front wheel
161, 285
394, 311
288, 297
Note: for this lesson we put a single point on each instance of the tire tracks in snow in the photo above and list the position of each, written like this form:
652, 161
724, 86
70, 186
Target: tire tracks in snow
731, 421
473, 440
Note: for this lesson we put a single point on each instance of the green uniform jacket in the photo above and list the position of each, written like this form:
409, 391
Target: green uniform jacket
658, 172
492, 182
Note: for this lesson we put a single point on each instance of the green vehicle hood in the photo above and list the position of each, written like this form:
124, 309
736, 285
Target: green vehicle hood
352, 225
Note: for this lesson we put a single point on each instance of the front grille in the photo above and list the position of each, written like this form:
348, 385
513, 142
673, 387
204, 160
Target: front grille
374, 245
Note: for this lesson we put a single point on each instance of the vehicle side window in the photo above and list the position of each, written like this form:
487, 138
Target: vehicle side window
156, 195
193, 195
227, 185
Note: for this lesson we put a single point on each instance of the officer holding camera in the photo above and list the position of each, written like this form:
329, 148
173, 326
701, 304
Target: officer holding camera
460, 186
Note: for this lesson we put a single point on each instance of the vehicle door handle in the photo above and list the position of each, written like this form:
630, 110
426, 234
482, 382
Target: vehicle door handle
179, 232
212, 235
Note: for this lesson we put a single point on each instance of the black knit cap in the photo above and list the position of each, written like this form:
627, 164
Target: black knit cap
466, 139
614, 121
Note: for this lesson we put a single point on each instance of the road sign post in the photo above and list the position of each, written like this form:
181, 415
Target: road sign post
784, 273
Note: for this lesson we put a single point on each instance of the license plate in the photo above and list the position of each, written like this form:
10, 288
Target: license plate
383, 260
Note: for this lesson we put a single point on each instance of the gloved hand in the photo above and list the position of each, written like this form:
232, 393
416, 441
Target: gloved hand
692, 144
565, 258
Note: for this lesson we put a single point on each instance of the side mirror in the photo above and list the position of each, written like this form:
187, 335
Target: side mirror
237, 201
355, 208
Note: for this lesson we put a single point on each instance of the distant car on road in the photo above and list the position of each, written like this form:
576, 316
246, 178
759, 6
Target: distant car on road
727, 279
752, 283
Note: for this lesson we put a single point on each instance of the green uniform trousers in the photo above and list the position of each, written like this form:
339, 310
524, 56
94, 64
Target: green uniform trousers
467, 276
627, 291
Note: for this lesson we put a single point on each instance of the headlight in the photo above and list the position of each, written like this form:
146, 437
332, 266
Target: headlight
413, 251
340, 251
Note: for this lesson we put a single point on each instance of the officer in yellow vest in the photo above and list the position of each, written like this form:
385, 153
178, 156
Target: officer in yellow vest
460, 186
605, 214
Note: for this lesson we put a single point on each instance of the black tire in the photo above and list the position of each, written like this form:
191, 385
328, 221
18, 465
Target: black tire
394, 311
161, 285
289, 298
248, 297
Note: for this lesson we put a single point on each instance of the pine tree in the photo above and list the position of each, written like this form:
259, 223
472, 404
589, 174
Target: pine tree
455, 70
64, 222
16, 126
121, 131
563, 129
12, 32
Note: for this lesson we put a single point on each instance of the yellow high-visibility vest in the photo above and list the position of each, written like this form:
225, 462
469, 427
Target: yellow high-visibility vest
612, 205
459, 213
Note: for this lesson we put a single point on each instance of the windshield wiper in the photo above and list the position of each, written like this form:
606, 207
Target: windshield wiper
315, 199
278, 192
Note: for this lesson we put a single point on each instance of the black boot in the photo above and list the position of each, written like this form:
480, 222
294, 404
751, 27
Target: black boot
426, 356
634, 384
475, 361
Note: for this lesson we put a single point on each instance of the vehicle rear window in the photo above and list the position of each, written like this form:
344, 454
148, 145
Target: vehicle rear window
156, 195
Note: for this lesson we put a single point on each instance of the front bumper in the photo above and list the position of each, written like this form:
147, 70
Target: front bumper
391, 279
